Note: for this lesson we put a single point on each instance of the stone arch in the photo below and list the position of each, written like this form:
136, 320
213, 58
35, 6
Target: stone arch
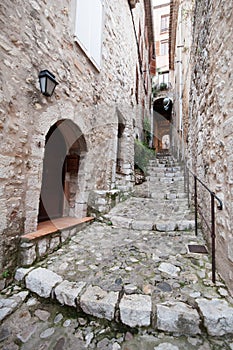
162, 123
65, 150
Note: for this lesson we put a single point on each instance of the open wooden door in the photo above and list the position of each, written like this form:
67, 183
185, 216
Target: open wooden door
54, 168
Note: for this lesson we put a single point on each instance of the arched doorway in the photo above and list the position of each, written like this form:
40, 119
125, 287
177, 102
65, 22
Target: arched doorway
162, 125
166, 142
64, 147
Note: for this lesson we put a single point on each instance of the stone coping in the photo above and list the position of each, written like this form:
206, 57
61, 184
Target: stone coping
47, 227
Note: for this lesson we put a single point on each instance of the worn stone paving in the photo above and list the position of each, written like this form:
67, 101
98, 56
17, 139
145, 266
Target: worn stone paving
126, 282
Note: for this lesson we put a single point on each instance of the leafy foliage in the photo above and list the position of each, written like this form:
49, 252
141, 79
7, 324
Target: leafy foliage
147, 131
142, 155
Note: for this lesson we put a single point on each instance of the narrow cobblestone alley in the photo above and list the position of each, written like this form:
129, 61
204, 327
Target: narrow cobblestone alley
127, 281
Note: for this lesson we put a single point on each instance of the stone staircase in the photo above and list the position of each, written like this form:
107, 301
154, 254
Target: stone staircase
163, 196
134, 267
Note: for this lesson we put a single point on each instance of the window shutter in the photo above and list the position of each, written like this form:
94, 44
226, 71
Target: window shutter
88, 28
83, 23
96, 32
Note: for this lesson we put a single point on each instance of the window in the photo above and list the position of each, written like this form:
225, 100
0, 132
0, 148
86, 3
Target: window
164, 47
88, 28
164, 23
164, 78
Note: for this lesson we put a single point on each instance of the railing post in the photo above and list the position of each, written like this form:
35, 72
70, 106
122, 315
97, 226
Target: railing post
195, 202
213, 237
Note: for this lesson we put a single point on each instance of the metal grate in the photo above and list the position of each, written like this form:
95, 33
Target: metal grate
195, 248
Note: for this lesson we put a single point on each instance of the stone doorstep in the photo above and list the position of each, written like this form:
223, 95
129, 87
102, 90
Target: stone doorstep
49, 236
48, 227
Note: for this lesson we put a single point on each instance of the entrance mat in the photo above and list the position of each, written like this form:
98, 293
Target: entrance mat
196, 248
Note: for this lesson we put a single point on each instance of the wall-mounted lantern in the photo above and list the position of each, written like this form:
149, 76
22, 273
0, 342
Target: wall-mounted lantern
47, 82
167, 103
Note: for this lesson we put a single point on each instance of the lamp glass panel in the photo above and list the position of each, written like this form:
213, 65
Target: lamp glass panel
50, 87
43, 84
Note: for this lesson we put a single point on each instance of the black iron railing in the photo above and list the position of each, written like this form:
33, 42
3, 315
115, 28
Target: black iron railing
211, 227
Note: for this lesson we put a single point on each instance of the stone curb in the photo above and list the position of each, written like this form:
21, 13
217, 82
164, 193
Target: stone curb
132, 310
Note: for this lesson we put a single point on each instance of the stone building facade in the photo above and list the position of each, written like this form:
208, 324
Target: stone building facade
57, 152
161, 81
208, 121
180, 43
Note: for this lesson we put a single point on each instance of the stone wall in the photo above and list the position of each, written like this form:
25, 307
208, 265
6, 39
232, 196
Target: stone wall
210, 138
37, 35
182, 14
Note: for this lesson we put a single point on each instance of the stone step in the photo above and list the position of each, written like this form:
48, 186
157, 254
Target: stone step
168, 195
181, 195
169, 179
132, 309
163, 169
153, 224
169, 163
157, 176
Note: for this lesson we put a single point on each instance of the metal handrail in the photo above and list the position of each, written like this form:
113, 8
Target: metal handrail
212, 229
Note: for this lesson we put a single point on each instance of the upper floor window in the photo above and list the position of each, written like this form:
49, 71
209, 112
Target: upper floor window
164, 23
164, 47
89, 27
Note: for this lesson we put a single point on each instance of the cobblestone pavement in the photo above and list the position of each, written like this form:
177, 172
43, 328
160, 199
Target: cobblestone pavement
128, 281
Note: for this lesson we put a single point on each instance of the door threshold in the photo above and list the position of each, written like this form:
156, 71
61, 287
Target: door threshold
47, 227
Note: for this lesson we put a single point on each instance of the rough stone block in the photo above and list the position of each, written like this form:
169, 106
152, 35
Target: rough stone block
218, 316
228, 127
8, 305
54, 243
42, 246
99, 303
27, 256
166, 226
169, 269
21, 273
166, 346
178, 317
102, 201
65, 234
41, 281
5, 311
135, 310
230, 249
121, 221
142, 225
186, 225
67, 292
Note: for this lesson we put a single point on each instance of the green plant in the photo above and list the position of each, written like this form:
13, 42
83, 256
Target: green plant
163, 86
6, 274
142, 155
147, 131
155, 91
